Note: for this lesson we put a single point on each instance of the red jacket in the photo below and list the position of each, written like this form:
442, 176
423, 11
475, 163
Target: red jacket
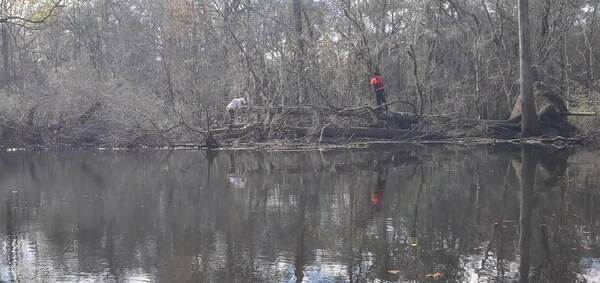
377, 82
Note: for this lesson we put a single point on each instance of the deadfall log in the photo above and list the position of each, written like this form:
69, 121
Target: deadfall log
238, 132
359, 132
402, 120
551, 123
398, 116
333, 132
362, 112
397, 124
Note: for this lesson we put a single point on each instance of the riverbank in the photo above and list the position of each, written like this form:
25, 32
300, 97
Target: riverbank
589, 142
360, 128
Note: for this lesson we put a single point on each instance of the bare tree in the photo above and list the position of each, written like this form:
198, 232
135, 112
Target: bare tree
529, 123
146, 61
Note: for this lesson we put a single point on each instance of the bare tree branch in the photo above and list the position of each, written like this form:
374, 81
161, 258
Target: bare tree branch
21, 21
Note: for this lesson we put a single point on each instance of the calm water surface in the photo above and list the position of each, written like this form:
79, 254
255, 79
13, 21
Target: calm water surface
412, 214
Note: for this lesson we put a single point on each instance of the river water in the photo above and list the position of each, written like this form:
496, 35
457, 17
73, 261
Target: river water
407, 214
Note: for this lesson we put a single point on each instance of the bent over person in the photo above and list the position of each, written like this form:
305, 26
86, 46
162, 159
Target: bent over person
233, 106
378, 86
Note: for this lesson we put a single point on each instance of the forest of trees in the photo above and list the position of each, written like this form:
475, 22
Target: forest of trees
107, 71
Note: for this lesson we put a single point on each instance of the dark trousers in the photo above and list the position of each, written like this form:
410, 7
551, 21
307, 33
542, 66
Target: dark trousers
231, 117
380, 97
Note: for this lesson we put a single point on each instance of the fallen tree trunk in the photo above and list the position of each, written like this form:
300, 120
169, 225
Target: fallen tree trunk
359, 132
289, 122
402, 120
551, 123
398, 116
378, 114
236, 132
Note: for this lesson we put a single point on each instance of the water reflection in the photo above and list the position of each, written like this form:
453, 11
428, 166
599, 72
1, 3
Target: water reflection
526, 172
423, 214
550, 248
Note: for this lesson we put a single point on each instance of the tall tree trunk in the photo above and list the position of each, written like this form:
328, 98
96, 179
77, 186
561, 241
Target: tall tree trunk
529, 123
170, 98
6, 62
301, 53
565, 68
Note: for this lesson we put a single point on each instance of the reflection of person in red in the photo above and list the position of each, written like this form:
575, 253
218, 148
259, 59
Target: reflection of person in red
377, 196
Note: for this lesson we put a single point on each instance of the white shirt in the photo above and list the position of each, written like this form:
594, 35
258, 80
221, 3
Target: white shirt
235, 104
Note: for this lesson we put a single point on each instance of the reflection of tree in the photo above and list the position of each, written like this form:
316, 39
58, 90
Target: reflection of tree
12, 234
527, 173
413, 230
545, 245
150, 217
300, 253
498, 235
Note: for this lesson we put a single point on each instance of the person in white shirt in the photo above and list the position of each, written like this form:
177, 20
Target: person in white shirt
233, 106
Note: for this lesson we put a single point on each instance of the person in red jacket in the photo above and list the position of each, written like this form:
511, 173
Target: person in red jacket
378, 86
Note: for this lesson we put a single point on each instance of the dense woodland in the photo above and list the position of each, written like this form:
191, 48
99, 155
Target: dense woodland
123, 71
